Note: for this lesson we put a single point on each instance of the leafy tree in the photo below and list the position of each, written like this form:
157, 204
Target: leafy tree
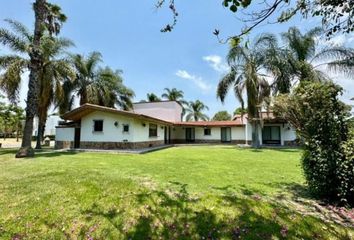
321, 120
92, 84
222, 116
240, 111
336, 15
245, 76
195, 111
151, 97
11, 117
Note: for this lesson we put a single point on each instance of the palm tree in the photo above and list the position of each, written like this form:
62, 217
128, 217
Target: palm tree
302, 57
195, 111
52, 71
48, 18
56, 69
151, 97
92, 84
176, 95
245, 77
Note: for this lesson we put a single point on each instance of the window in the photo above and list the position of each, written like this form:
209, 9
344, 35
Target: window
98, 125
125, 128
207, 131
152, 130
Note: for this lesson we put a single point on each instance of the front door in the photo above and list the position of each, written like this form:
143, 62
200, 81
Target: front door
77, 138
225, 134
166, 136
271, 135
190, 134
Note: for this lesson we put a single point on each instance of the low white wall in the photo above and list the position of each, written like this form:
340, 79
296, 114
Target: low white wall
64, 134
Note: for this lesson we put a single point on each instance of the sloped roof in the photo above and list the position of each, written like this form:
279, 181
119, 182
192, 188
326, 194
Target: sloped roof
265, 116
87, 108
210, 123
78, 113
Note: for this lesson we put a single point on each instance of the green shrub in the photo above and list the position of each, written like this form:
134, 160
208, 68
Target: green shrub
321, 120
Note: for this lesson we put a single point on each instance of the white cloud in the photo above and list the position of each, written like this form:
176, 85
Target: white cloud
216, 63
339, 40
198, 81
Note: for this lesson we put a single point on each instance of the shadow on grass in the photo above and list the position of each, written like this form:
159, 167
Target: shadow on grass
5, 151
46, 152
180, 215
55, 154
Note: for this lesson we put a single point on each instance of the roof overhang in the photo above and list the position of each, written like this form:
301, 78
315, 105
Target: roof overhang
210, 124
80, 112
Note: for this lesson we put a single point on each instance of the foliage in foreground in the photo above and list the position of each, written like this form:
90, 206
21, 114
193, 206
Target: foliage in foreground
321, 119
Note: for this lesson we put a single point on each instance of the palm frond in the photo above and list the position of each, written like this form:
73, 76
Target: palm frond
225, 84
12, 41
21, 29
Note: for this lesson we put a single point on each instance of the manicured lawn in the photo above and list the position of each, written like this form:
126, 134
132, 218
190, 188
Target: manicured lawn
178, 193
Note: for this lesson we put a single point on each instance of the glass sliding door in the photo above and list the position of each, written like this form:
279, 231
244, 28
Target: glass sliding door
271, 135
190, 134
225, 134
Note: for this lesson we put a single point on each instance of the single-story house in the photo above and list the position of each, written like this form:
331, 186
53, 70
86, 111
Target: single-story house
157, 123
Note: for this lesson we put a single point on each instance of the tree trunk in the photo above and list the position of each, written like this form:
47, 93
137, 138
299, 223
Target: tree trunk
39, 135
17, 129
40, 10
255, 134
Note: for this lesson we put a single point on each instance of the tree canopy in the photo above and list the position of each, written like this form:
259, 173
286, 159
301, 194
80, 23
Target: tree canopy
221, 116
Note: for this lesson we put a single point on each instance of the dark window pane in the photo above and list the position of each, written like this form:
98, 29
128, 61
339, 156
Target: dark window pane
207, 131
152, 130
125, 128
98, 125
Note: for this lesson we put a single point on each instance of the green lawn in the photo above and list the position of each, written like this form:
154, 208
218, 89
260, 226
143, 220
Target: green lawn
178, 193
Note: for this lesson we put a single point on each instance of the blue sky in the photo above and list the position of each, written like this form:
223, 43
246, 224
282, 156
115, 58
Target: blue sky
129, 38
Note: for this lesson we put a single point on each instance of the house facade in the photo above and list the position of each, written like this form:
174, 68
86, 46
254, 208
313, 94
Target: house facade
153, 124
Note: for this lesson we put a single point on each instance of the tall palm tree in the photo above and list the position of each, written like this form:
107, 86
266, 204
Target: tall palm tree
302, 58
152, 97
195, 111
48, 18
92, 84
52, 72
246, 77
56, 69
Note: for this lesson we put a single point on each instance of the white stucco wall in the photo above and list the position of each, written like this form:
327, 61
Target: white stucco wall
111, 133
287, 133
237, 133
168, 111
141, 133
64, 134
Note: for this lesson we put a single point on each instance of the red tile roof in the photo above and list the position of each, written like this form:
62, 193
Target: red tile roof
210, 123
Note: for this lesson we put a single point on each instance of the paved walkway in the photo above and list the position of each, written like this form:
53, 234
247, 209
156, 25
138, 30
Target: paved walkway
132, 151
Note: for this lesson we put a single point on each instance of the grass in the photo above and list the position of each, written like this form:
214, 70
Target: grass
178, 193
